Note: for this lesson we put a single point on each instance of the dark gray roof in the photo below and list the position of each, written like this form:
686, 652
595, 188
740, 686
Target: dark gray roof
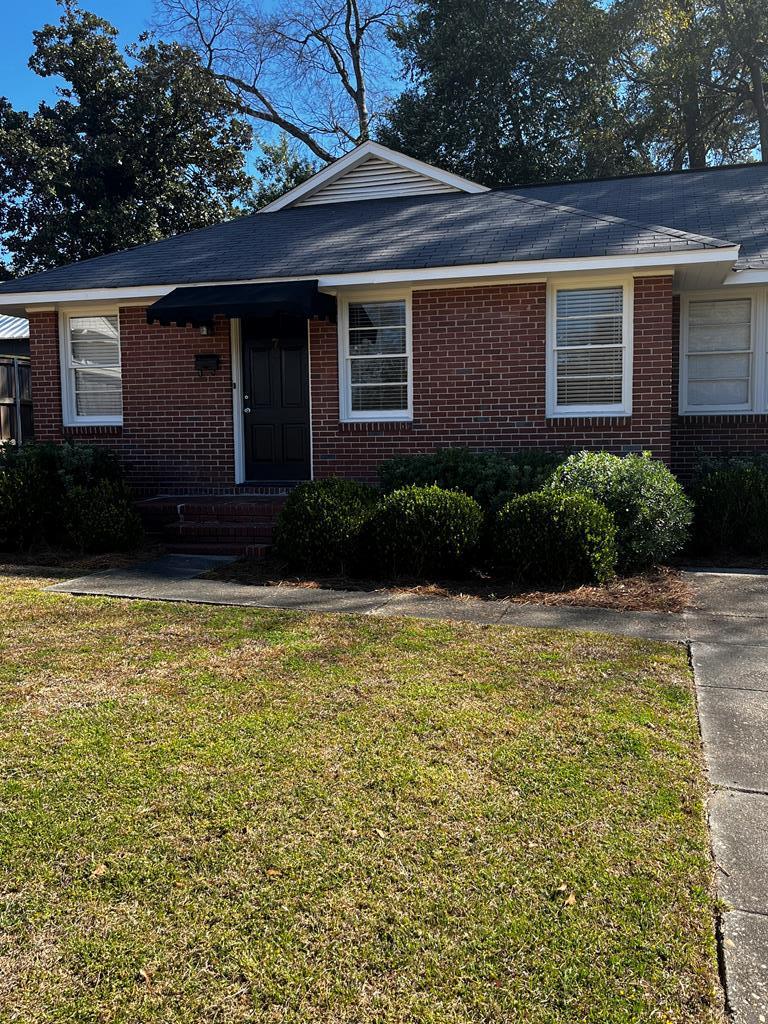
381, 234
728, 202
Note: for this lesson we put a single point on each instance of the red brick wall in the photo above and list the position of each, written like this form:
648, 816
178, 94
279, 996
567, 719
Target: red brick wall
696, 436
177, 426
479, 362
479, 380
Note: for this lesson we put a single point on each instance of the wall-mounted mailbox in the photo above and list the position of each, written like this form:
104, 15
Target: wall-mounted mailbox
206, 362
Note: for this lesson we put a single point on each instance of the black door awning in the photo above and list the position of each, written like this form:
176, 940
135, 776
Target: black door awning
199, 304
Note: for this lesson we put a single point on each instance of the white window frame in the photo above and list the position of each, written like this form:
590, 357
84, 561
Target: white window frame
70, 417
346, 413
623, 408
758, 385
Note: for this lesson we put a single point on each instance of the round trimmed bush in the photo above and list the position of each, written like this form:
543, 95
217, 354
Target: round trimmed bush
651, 510
319, 526
421, 531
554, 538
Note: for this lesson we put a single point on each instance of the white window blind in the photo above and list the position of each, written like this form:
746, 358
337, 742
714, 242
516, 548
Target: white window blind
377, 358
589, 347
93, 368
719, 353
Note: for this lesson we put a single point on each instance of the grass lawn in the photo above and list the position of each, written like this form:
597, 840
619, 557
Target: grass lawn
226, 815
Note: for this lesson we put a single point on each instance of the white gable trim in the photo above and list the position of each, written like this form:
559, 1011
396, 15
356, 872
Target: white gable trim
357, 156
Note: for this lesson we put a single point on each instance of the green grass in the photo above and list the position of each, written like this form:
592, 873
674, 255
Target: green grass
230, 815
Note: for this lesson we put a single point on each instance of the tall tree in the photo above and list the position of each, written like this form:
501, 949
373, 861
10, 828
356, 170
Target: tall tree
679, 82
279, 169
745, 26
314, 69
505, 91
138, 146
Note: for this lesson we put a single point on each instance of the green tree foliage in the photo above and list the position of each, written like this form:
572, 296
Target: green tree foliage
279, 169
510, 91
139, 146
683, 83
505, 91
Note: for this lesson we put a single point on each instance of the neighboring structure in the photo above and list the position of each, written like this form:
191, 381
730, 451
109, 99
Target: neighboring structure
15, 384
386, 307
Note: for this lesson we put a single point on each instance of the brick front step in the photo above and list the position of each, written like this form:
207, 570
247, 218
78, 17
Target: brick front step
213, 524
204, 547
238, 530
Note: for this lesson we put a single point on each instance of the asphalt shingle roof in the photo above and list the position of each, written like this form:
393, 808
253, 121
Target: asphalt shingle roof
728, 202
384, 234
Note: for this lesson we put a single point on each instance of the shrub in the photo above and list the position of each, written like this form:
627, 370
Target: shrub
555, 538
651, 510
319, 525
418, 531
101, 517
40, 488
489, 477
731, 498
27, 501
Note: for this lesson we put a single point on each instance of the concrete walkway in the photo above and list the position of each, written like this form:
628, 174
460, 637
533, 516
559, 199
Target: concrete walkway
176, 578
728, 634
729, 651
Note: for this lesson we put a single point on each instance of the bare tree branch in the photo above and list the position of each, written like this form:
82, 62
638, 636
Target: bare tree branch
310, 70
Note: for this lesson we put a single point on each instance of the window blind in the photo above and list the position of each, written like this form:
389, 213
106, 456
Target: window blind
589, 346
94, 367
377, 355
719, 354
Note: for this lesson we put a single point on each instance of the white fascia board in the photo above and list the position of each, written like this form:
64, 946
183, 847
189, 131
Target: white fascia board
747, 277
29, 299
725, 257
527, 268
360, 153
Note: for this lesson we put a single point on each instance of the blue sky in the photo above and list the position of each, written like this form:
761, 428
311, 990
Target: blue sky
21, 17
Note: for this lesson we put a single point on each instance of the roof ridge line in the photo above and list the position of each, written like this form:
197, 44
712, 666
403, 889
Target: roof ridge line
612, 219
632, 175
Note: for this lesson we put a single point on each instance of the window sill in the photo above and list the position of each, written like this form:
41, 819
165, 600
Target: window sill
93, 429
613, 419
375, 426
699, 413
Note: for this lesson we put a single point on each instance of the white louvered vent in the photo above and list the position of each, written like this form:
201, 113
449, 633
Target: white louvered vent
375, 178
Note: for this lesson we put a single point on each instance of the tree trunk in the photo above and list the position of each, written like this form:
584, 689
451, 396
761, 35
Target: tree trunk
759, 101
694, 143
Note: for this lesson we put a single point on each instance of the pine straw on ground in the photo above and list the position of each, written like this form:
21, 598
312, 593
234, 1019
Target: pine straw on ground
662, 589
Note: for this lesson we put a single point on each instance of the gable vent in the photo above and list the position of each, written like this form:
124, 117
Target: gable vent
375, 178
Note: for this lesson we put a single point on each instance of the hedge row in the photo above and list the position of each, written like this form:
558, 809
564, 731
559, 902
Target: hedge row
590, 515
64, 495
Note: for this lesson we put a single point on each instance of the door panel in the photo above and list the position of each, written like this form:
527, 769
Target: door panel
260, 374
276, 399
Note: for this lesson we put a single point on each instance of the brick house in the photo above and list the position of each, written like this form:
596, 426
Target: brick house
385, 307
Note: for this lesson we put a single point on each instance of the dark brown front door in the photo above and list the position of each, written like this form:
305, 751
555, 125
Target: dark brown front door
276, 399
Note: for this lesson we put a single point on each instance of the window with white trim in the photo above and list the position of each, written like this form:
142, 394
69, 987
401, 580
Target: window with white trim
718, 356
91, 372
376, 360
590, 362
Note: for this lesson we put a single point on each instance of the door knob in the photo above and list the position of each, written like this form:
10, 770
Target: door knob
247, 408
